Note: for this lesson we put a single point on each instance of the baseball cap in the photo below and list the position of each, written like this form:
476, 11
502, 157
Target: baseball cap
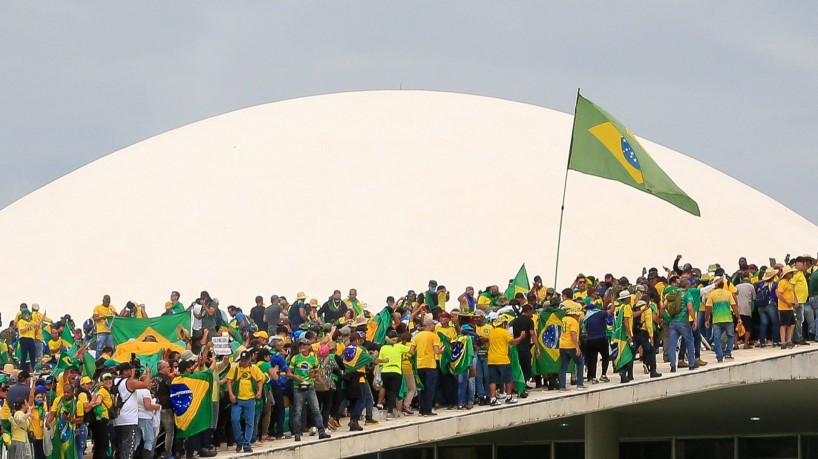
244, 355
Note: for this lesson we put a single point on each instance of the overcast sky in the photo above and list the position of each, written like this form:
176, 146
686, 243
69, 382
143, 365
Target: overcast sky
732, 84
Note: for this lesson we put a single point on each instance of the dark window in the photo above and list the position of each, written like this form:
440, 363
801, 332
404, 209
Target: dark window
464, 452
711, 448
521, 451
409, 453
366, 456
569, 450
809, 446
769, 448
646, 450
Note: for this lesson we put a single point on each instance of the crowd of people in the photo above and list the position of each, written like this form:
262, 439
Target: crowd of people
299, 369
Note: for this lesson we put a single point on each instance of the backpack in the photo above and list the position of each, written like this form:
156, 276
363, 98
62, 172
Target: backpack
323, 378
637, 320
762, 295
251, 324
674, 303
118, 402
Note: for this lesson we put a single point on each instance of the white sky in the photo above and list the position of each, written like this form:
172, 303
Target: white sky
732, 84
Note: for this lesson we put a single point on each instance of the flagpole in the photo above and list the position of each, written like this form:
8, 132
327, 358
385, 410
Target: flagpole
564, 190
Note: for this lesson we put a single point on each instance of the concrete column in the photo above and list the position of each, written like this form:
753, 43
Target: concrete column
601, 436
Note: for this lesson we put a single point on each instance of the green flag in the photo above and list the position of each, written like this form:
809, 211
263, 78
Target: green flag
621, 353
66, 362
163, 328
190, 396
519, 284
516, 370
602, 146
89, 365
549, 330
67, 336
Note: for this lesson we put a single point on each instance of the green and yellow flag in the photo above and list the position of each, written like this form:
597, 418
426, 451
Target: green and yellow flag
549, 330
162, 328
516, 370
458, 354
377, 327
621, 353
602, 146
190, 396
355, 358
63, 444
519, 284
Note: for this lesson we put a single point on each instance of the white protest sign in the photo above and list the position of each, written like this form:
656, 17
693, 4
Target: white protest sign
221, 345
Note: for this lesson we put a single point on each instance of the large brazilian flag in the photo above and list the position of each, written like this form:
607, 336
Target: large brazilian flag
190, 395
549, 330
602, 146
163, 328
621, 353
63, 444
458, 354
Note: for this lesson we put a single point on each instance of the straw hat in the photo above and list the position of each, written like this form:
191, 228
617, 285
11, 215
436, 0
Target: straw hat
360, 320
768, 274
182, 333
9, 369
624, 294
787, 270
314, 303
301, 296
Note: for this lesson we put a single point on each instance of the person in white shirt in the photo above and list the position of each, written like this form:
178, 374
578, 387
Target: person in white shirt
146, 407
127, 423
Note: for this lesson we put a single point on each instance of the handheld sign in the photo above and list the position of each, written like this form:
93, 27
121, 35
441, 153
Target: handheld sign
221, 345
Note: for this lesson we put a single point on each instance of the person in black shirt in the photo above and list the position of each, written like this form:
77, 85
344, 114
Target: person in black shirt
523, 326
161, 387
333, 309
257, 312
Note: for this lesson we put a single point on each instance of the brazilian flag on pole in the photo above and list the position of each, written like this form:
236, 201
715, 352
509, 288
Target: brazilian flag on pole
621, 353
604, 147
162, 327
519, 284
549, 330
458, 354
190, 396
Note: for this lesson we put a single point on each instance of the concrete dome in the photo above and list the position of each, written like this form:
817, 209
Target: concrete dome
375, 190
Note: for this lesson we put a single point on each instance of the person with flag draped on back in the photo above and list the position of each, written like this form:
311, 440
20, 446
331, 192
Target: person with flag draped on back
65, 415
377, 326
355, 360
458, 359
622, 337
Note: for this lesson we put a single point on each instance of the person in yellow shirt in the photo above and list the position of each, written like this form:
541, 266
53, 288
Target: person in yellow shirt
103, 314
643, 335
499, 362
38, 413
569, 347
99, 426
40, 319
801, 288
26, 328
243, 396
427, 347
786, 305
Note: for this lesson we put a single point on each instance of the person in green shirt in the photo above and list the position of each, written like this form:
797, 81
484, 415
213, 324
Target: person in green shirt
304, 367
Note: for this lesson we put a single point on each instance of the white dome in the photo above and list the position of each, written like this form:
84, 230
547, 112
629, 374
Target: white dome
380, 191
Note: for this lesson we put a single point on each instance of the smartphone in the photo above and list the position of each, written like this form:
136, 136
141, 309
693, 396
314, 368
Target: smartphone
772, 262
